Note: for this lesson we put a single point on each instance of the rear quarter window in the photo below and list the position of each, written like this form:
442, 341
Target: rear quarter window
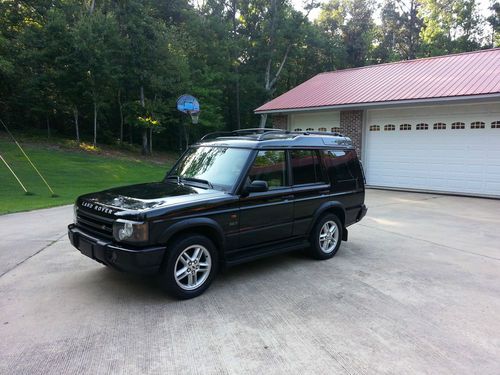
341, 165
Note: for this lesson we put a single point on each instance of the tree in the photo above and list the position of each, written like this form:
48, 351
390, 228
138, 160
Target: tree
97, 46
450, 26
352, 21
494, 21
398, 35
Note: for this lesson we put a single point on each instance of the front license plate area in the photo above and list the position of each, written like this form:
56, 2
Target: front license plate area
86, 248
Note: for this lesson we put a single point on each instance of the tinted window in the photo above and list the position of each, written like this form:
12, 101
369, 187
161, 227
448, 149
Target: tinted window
270, 166
340, 165
306, 167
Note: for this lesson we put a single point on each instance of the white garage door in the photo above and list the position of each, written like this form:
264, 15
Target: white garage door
320, 121
452, 148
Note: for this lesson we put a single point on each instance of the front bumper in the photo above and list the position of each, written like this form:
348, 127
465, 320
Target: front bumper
143, 261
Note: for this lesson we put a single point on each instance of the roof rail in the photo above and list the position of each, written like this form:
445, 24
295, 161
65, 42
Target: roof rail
331, 134
215, 134
262, 133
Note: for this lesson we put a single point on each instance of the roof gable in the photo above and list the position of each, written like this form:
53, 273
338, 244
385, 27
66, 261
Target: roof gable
465, 74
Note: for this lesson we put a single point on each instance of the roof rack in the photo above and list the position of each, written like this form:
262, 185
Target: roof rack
262, 133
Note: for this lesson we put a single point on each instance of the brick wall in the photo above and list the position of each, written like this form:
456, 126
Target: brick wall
351, 125
279, 122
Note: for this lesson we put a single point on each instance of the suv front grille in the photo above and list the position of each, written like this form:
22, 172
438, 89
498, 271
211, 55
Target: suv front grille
99, 225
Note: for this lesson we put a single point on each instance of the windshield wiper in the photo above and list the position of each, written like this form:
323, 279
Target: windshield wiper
181, 180
199, 180
174, 177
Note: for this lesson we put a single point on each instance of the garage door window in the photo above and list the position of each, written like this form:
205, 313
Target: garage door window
336, 129
297, 130
405, 127
458, 125
495, 125
322, 129
389, 127
477, 125
422, 126
439, 126
374, 128
309, 129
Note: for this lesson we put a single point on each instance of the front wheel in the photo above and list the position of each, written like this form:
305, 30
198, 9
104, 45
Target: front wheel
190, 266
326, 237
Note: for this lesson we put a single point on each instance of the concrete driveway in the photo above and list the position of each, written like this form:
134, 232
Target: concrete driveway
415, 290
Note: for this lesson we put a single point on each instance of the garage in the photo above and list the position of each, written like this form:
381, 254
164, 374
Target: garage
435, 148
430, 124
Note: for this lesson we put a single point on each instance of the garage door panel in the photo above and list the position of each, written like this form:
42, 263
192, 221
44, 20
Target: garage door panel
450, 160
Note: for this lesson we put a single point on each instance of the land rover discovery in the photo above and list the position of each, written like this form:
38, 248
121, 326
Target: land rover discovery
230, 198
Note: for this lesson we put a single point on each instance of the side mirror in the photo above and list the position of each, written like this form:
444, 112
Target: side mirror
257, 186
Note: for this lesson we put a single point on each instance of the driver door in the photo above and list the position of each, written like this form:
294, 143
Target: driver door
267, 216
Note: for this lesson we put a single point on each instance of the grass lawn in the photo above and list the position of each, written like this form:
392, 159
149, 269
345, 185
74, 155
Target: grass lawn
69, 172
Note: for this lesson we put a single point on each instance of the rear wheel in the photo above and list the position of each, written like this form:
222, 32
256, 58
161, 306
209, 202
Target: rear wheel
190, 266
326, 237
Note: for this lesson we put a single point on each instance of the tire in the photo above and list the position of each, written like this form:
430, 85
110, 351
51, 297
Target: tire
192, 254
325, 241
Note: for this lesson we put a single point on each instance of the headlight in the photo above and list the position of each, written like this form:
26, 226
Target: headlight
130, 231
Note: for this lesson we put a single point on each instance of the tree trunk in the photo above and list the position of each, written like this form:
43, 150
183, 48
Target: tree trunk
186, 135
120, 107
236, 68
150, 141
144, 141
48, 126
77, 129
92, 6
263, 120
143, 101
144, 130
95, 123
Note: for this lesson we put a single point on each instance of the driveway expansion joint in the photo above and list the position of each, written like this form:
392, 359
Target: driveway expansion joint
32, 255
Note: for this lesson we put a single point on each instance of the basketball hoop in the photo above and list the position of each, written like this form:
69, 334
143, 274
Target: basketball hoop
195, 115
189, 104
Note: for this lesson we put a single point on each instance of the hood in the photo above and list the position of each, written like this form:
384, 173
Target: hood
147, 196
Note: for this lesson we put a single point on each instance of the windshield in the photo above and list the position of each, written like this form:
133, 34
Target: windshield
218, 166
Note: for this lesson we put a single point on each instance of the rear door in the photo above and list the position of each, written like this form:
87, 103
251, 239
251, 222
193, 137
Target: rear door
310, 187
267, 216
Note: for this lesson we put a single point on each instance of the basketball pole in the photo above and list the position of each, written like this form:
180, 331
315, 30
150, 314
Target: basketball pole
29, 160
15, 176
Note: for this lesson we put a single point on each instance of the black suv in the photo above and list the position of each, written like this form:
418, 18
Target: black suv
230, 198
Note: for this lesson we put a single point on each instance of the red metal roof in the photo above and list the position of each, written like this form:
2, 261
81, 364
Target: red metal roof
465, 74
